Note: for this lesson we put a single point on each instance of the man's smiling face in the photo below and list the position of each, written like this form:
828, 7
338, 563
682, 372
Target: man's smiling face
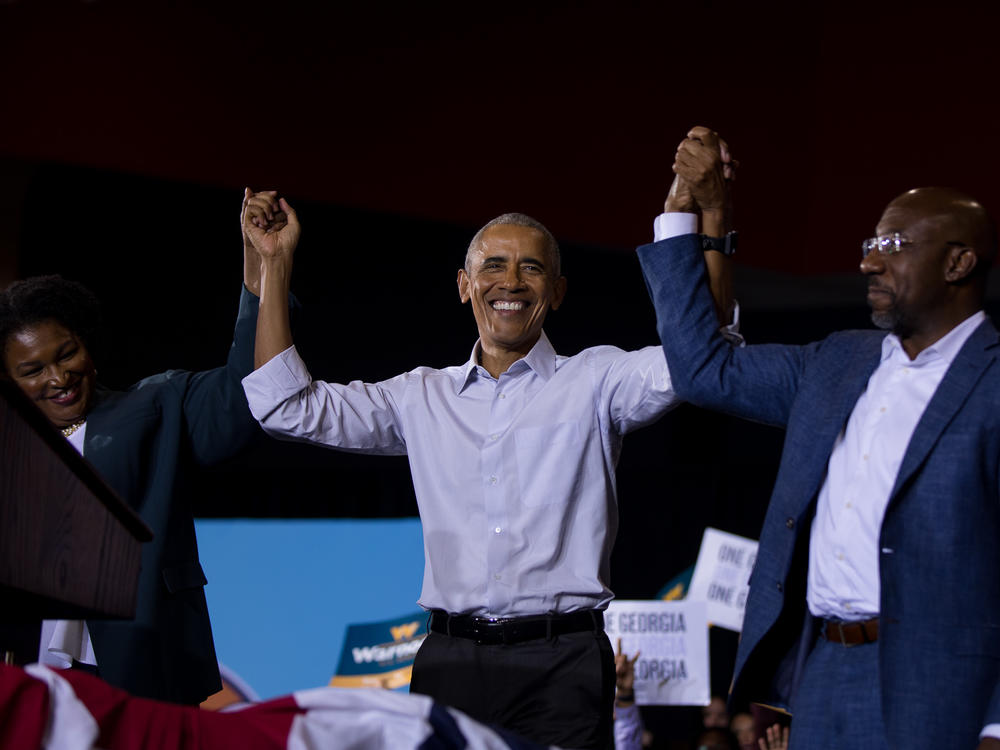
511, 282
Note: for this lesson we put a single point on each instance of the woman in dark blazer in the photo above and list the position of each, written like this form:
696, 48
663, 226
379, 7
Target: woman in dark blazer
144, 442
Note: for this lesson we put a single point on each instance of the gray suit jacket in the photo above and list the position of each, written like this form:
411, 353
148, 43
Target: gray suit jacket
939, 562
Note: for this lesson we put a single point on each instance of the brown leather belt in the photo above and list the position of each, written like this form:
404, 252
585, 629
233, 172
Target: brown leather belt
494, 631
850, 633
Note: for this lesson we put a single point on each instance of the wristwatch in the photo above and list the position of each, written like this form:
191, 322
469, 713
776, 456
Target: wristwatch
725, 245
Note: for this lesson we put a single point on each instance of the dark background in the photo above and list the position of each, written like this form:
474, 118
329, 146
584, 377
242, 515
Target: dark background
127, 131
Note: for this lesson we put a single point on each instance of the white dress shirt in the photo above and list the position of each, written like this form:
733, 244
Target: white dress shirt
62, 641
514, 476
843, 580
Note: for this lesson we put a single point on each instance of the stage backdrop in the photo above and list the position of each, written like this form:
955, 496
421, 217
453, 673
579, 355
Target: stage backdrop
282, 593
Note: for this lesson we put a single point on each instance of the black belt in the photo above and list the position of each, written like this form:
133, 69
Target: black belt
492, 631
850, 633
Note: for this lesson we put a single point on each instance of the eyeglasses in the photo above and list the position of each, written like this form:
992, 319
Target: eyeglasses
886, 244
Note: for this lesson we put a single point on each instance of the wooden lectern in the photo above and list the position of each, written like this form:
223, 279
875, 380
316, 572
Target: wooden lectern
69, 546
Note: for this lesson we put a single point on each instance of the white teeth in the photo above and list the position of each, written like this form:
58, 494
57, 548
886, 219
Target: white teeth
505, 305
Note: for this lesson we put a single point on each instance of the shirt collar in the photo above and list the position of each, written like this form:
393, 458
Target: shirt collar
946, 347
541, 359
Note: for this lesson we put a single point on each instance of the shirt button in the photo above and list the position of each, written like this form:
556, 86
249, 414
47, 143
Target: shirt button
494, 437
496, 576
493, 480
780, 587
497, 530
789, 523
502, 395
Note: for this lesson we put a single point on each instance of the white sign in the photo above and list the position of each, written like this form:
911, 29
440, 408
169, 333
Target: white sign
671, 639
721, 577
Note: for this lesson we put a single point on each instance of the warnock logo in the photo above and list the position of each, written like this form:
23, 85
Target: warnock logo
404, 631
404, 646
380, 654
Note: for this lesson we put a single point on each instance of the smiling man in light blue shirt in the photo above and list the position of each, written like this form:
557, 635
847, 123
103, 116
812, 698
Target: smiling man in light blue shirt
513, 459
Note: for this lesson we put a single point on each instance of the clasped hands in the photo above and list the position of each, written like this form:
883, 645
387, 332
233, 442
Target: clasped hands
704, 170
270, 225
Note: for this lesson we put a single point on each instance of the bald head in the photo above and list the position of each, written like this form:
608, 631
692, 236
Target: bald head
960, 219
936, 276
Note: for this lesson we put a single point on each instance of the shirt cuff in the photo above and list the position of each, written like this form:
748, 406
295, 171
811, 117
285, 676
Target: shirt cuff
674, 224
280, 378
731, 332
990, 730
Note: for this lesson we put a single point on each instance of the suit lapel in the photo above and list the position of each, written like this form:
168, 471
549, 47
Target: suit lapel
957, 385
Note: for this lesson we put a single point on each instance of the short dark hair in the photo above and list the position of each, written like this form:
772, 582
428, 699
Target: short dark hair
40, 298
520, 220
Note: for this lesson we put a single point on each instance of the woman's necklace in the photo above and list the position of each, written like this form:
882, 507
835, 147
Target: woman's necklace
67, 431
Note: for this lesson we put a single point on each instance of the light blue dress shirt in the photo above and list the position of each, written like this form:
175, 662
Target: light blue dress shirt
514, 476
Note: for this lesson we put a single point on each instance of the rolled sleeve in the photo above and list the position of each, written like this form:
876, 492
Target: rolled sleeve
290, 405
282, 377
637, 388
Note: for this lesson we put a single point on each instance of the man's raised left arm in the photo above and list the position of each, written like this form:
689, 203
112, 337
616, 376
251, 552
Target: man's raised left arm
702, 188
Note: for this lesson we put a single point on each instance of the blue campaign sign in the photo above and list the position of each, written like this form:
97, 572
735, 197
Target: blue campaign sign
380, 654
283, 593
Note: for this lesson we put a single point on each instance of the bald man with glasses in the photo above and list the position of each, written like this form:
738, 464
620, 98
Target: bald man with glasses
874, 607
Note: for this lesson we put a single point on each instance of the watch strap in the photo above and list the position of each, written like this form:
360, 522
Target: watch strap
725, 245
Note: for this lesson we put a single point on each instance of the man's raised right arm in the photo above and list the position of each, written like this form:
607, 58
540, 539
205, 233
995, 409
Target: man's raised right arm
281, 393
272, 226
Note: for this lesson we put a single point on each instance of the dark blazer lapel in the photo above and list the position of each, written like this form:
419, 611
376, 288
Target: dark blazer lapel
956, 387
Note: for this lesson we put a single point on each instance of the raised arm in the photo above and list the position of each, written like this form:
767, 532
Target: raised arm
689, 287
272, 228
705, 172
215, 406
628, 722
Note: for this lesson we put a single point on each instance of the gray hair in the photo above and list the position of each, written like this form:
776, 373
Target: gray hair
519, 220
